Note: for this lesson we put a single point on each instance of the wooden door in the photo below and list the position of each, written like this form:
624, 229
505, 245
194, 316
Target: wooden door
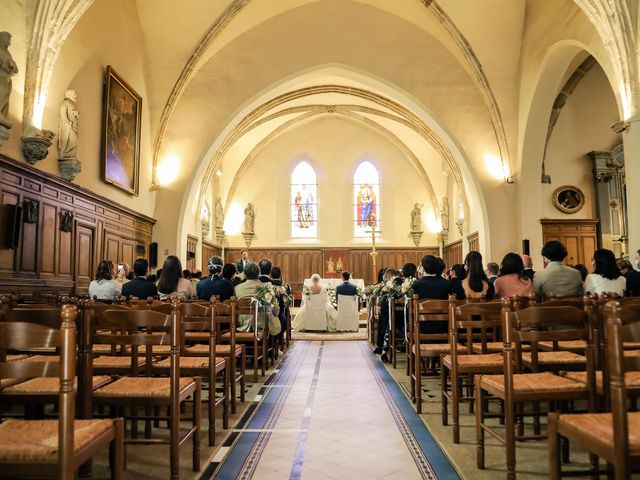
579, 236
127, 251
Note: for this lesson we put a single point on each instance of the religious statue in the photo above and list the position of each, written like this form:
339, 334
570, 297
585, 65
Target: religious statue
249, 219
8, 68
339, 265
444, 214
219, 214
68, 127
416, 218
205, 219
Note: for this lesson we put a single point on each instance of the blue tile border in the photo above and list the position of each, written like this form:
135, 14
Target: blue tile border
247, 447
429, 457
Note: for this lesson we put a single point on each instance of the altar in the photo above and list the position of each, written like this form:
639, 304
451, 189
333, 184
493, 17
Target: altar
334, 282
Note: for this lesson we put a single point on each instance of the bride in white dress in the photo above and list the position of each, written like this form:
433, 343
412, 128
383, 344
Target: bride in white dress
316, 291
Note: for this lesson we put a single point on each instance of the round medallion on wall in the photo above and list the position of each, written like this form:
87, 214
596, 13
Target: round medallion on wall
568, 199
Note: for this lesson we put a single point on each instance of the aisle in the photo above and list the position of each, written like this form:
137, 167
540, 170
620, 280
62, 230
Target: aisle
330, 412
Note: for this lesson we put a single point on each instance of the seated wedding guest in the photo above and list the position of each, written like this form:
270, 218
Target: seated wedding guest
105, 287
243, 261
158, 273
513, 279
492, 271
140, 286
582, 269
222, 285
476, 284
346, 287
248, 288
409, 270
171, 281
456, 275
605, 277
214, 284
123, 273
381, 275
265, 270
632, 276
556, 278
528, 267
432, 284
382, 342
276, 279
153, 278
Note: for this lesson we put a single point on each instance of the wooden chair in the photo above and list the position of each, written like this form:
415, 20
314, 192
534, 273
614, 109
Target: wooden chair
466, 320
428, 312
514, 388
372, 319
397, 318
256, 338
143, 328
203, 362
612, 436
52, 448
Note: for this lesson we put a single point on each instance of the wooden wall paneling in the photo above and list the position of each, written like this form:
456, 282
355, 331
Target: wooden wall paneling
474, 241
208, 251
84, 257
581, 237
48, 259
192, 243
7, 256
452, 253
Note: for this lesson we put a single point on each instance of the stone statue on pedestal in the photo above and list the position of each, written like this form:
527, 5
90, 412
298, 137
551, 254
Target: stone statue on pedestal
8, 68
219, 214
68, 162
416, 218
249, 219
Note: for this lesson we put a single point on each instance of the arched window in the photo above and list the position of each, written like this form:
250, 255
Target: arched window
366, 200
304, 202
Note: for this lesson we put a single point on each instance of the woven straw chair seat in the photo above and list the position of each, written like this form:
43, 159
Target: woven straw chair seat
38, 439
13, 358
488, 360
241, 336
119, 361
598, 427
141, 387
49, 385
40, 358
494, 347
631, 379
189, 362
222, 350
555, 358
632, 353
200, 336
569, 345
534, 382
437, 349
7, 382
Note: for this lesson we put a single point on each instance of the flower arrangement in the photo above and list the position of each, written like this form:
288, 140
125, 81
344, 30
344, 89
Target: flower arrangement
372, 290
333, 298
284, 291
267, 295
407, 286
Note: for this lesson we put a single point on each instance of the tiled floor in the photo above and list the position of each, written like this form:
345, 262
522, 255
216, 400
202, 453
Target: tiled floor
335, 422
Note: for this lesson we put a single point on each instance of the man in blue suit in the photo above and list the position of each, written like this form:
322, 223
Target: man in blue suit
347, 288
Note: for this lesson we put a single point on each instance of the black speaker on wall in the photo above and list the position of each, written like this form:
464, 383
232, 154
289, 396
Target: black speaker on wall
525, 247
14, 220
153, 255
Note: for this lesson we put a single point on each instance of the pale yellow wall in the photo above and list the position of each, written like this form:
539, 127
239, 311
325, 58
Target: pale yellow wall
108, 33
334, 147
583, 126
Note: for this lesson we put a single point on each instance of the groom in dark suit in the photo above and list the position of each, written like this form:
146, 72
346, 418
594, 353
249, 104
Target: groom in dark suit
243, 261
347, 288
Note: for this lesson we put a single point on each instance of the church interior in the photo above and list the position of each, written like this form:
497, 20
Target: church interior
319, 239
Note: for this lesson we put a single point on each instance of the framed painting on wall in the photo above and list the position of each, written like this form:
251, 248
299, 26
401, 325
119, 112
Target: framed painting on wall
568, 199
120, 152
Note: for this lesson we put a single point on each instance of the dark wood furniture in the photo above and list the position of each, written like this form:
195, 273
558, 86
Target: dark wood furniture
613, 435
52, 448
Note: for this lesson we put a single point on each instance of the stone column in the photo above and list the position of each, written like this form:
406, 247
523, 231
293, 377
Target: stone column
631, 142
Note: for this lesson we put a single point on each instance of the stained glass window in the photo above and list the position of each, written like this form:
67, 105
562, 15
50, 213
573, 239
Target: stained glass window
304, 202
366, 200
